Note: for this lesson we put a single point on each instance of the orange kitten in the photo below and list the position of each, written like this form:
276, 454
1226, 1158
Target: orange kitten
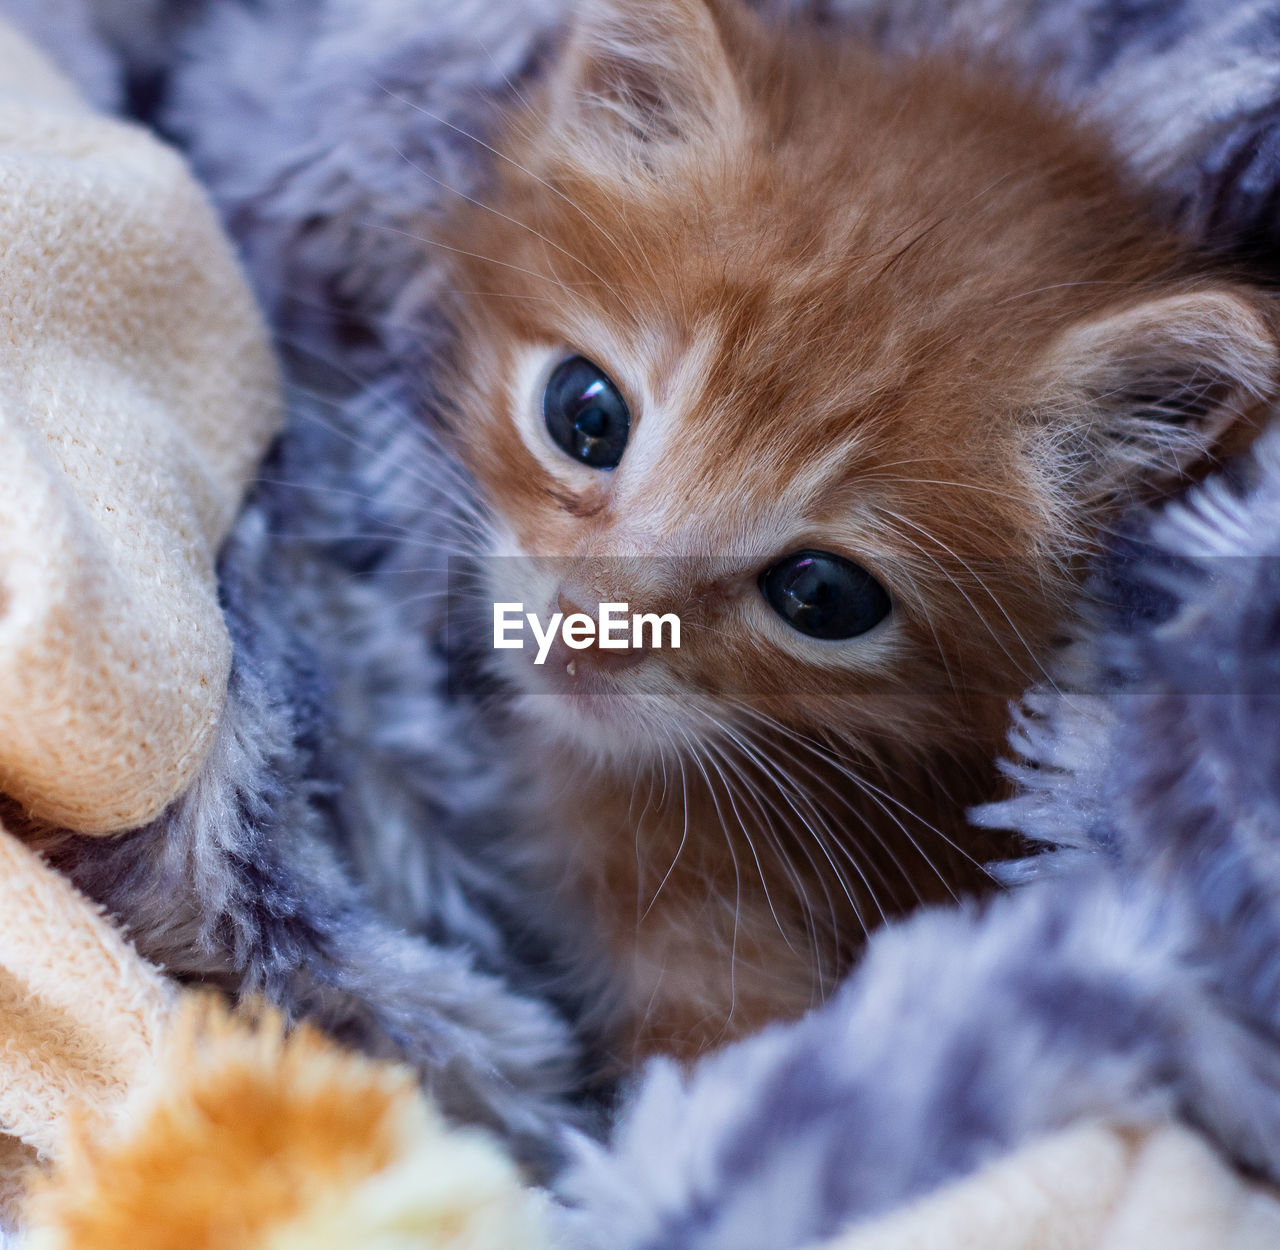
844, 361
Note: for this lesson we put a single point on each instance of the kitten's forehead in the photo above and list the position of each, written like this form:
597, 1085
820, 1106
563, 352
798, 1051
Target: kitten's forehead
843, 291
773, 383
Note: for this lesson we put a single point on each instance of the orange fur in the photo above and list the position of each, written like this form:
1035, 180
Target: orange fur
904, 311
248, 1131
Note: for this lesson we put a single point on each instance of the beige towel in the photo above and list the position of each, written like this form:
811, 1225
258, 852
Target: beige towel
80, 1013
81, 1019
1094, 1187
137, 395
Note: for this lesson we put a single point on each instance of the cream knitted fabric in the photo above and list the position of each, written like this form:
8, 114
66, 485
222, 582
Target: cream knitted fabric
1092, 1187
80, 1013
81, 1017
137, 394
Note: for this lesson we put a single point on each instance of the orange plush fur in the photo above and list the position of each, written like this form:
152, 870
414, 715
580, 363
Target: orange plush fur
250, 1138
900, 310
247, 1131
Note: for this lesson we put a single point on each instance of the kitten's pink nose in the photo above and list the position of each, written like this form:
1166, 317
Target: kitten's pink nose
594, 656
566, 606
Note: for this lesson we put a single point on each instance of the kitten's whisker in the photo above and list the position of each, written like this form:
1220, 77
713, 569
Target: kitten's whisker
1057, 286
877, 476
380, 320
505, 76
787, 789
664, 741
457, 545
879, 796
447, 545
636, 826
810, 747
844, 801
773, 778
490, 260
1029, 677
717, 760
737, 875
684, 838
418, 570
874, 795
542, 299
887, 797
773, 773
425, 596
450, 513
767, 804
896, 464
375, 453
631, 816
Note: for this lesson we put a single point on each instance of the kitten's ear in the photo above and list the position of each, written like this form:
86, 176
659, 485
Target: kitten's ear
1164, 385
646, 71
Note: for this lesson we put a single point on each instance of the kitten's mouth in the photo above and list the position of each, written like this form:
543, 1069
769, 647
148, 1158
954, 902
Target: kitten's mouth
583, 685
591, 708
584, 713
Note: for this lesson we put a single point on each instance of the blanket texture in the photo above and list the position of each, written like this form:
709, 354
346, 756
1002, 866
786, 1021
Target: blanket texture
80, 1014
137, 393
1129, 978
129, 442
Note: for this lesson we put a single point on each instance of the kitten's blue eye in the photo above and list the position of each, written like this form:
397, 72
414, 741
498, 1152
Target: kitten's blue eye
585, 415
824, 595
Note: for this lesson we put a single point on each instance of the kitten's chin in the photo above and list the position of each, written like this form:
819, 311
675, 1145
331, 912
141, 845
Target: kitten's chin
603, 713
606, 727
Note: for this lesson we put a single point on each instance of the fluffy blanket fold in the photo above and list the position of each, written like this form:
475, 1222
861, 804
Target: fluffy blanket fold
130, 430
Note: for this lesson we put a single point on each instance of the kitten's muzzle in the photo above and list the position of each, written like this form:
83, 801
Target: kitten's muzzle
578, 664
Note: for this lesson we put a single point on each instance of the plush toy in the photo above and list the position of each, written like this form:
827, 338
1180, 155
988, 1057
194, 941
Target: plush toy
244, 1139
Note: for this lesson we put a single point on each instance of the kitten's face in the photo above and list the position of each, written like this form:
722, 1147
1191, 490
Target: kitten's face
840, 362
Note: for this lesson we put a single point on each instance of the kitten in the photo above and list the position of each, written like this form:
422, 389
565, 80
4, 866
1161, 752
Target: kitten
846, 360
